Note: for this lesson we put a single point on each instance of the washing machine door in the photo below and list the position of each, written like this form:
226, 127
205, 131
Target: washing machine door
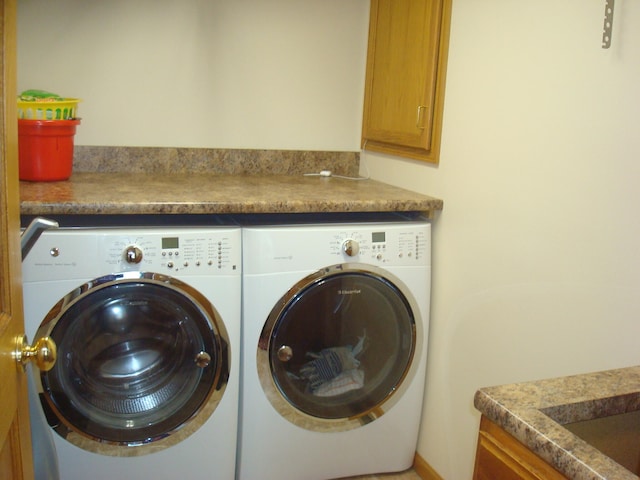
338, 349
143, 360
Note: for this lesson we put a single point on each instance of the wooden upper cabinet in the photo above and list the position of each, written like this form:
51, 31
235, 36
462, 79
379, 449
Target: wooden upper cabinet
406, 66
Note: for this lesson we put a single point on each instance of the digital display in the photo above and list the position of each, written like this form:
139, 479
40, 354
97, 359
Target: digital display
377, 237
169, 242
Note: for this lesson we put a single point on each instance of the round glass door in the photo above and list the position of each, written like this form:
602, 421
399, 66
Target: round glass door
140, 357
338, 347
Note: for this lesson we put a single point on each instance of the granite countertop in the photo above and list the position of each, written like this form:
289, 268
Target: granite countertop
121, 193
198, 181
534, 413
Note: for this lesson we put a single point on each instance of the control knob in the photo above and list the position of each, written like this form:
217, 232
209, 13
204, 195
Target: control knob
133, 254
350, 247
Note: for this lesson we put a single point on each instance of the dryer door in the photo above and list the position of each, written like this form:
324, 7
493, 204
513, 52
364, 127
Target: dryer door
338, 348
143, 360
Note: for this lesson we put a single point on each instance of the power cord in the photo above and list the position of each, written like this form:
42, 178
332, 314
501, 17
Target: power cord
329, 173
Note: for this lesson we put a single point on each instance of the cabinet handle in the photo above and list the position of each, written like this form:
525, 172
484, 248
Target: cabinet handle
420, 117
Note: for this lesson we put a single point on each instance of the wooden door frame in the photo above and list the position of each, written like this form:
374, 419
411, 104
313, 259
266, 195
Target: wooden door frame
15, 440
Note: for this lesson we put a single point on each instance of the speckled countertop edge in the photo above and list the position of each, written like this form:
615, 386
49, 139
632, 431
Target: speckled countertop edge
157, 180
120, 193
525, 410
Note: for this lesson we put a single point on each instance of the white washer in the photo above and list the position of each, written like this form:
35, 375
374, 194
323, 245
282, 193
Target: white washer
147, 322
335, 322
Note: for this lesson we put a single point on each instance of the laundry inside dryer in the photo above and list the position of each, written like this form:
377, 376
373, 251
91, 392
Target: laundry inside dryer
345, 355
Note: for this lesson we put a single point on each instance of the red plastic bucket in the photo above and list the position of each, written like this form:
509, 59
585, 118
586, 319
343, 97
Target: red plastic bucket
45, 149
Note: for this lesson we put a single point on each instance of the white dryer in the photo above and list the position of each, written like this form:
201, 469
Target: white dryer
147, 325
335, 324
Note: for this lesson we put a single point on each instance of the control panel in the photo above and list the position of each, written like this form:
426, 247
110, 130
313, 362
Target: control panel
385, 246
185, 253
78, 253
288, 248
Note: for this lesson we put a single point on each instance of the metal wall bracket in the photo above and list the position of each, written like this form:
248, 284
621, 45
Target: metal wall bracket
608, 24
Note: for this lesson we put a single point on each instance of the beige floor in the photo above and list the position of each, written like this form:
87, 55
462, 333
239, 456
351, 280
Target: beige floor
407, 475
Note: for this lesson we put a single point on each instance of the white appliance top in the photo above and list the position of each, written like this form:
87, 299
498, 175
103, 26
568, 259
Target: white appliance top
78, 253
297, 247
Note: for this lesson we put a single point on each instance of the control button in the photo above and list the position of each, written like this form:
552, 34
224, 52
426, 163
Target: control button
170, 264
350, 247
133, 254
54, 252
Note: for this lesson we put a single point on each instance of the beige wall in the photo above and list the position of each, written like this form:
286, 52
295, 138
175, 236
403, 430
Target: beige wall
536, 255
536, 264
280, 74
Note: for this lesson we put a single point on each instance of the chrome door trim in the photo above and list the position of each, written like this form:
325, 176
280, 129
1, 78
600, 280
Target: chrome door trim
179, 432
263, 363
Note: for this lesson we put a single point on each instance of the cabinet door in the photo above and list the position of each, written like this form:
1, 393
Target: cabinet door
402, 76
15, 441
501, 456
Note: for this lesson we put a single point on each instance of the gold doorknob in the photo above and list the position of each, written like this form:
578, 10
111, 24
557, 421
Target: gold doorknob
44, 352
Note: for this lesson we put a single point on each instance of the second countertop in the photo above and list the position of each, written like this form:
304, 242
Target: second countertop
535, 412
